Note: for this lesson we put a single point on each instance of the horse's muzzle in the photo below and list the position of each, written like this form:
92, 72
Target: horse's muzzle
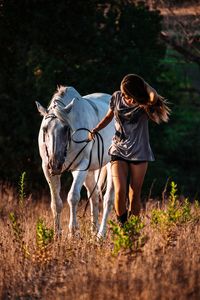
55, 169
55, 172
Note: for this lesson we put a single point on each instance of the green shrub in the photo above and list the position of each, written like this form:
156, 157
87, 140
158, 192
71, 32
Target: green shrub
18, 233
22, 194
16, 226
44, 235
128, 237
176, 213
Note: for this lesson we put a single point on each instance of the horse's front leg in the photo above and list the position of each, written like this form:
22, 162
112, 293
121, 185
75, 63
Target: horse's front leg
94, 200
56, 201
108, 202
74, 197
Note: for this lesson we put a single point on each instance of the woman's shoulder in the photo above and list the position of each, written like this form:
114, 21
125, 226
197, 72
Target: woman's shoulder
115, 99
117, 94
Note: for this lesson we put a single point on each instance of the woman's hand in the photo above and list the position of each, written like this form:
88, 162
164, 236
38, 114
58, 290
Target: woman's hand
102, 124
91, 135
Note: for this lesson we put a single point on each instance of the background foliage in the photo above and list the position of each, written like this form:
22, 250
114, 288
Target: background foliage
90, 46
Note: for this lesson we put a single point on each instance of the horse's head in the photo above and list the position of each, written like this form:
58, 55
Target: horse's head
55, 138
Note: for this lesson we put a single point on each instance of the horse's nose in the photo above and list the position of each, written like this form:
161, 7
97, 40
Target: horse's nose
55, 167
59, 166
55, 172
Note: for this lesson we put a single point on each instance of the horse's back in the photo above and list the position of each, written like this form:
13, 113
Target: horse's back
98, 97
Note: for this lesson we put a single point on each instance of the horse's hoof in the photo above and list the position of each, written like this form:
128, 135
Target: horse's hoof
94, 228
74, 234
93, 231
100, 237
58, 235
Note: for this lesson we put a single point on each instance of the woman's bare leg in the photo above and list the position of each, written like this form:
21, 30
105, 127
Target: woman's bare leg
119, 174
137, 174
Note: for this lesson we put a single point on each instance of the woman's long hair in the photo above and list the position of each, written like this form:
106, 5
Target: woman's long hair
154, 104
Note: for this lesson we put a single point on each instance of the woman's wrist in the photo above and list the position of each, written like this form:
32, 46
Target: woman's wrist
94, 130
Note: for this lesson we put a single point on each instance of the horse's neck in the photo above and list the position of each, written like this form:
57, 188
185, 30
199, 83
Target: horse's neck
83, 115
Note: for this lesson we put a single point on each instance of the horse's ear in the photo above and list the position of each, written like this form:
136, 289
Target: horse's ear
69, 106
41, 109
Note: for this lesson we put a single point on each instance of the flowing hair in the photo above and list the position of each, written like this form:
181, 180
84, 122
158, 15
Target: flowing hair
154, 104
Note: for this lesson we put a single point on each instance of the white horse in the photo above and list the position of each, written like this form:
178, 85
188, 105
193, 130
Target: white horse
66, 114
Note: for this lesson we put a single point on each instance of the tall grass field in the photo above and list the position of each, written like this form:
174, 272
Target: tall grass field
156, 256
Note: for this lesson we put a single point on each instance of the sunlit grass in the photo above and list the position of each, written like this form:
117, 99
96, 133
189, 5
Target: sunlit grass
36, 266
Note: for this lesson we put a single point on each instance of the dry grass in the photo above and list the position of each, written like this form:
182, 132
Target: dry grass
167, 267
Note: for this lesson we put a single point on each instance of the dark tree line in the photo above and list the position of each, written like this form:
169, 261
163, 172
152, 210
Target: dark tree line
90, 45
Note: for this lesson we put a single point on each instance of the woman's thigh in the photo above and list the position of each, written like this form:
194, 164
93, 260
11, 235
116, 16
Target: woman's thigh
137, 174
120, 174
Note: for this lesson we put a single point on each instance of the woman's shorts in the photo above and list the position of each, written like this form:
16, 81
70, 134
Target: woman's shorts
135, 162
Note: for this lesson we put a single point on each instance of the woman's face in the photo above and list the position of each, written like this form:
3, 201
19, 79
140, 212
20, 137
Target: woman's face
128, 99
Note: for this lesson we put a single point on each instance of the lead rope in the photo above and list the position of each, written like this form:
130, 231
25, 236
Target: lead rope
100, 154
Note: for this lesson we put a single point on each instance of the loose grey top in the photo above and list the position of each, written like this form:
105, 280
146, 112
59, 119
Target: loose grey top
131, 139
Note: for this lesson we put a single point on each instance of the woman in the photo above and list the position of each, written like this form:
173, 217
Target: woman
130, 151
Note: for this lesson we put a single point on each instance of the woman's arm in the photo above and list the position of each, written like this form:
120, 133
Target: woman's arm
103, 123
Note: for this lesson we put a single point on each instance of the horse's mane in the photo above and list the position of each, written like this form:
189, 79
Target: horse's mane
67, 92
60, 91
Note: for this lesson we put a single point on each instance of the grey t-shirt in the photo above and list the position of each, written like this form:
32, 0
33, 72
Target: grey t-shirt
131, 139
